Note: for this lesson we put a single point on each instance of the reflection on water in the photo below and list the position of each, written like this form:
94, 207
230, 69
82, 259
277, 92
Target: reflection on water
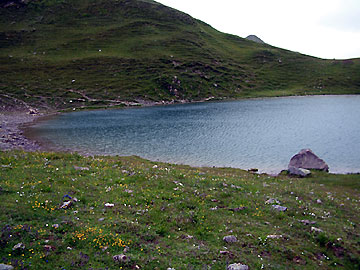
260, 133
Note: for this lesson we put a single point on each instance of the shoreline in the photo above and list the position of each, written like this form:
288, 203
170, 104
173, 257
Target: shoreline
13, 134
15, 126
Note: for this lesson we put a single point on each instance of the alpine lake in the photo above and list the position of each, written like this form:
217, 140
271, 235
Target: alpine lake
254, 133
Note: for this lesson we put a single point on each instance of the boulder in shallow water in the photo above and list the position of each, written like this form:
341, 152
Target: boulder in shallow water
306, 159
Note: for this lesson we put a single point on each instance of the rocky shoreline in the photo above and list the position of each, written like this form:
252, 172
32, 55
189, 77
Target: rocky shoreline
12, 133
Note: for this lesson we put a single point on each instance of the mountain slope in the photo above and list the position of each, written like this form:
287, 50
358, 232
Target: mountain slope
66, 53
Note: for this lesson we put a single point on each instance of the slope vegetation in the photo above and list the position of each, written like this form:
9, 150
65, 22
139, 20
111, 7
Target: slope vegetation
66, 53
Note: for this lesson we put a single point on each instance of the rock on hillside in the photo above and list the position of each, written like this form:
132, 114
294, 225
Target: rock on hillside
255, 39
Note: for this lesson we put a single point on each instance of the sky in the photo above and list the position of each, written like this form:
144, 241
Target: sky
322, 28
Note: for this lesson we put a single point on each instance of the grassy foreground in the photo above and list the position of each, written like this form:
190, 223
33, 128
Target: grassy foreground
167, 215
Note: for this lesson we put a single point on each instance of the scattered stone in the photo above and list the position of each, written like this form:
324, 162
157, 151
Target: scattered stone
230, 239
66, 205
272, 201
279, 208
188, 236
19, 246
101, 219
318, 201
121, 258
6, 166
224, 252
237, 266
81, 168
298, 171
171, 268
316, 230
32, 111
274, 236
306, 159
307, 222
5, 267
109, 205
253, 170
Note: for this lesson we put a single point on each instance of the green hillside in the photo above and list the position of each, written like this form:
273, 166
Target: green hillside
66, 53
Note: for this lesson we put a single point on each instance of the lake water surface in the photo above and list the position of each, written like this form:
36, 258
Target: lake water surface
256, 133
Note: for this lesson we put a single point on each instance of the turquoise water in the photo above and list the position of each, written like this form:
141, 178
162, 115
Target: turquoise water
256, 133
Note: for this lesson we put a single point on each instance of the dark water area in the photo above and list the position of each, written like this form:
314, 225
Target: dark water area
256, 133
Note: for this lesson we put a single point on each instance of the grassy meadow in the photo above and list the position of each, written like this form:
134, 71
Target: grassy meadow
171, 216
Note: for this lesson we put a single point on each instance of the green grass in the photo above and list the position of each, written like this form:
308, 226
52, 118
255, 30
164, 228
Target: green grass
126, 50
170, 215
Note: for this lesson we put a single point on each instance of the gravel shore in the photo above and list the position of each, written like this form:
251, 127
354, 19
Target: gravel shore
11, 133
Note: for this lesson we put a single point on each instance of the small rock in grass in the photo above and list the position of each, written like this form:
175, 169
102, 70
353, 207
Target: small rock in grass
230, 239
274, 236
5, 267
279, 208
171, 268
81, 168
66, 205
121, 258
316, 230
109, 205
237, 266
307, 222
101, 219
318, 201
272, 201
19, 246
